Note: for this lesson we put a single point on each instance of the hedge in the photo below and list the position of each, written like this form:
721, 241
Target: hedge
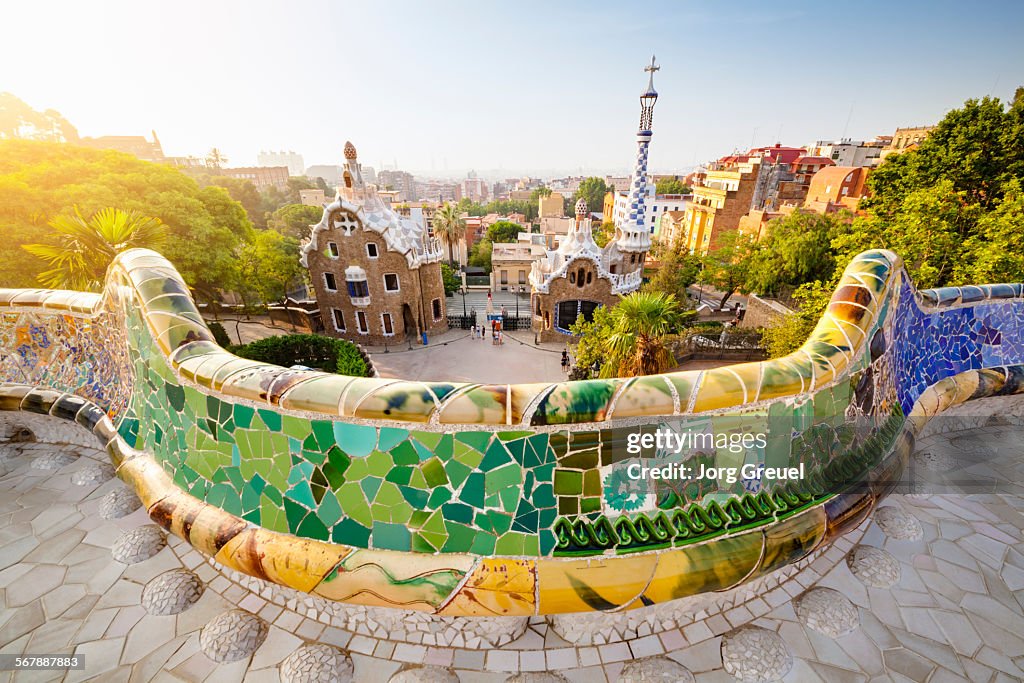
219, 333
312, 350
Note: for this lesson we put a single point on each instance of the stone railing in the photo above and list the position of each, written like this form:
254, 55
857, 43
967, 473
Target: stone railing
475, 499
626, 282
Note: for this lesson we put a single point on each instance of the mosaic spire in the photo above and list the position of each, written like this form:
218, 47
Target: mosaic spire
636, 231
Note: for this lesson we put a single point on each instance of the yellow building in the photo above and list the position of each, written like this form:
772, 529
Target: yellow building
718, 205
551, 206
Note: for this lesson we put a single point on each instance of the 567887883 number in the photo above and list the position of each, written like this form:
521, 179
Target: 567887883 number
9, 662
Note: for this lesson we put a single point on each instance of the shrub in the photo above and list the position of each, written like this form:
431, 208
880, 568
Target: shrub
219, 334
312, 350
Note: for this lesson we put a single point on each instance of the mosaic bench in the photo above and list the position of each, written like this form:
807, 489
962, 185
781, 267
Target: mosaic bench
482, 500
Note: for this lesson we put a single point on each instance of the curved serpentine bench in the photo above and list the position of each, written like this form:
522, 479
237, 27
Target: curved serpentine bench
469, 499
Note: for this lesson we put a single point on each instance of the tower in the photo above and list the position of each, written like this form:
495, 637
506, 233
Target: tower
636, 232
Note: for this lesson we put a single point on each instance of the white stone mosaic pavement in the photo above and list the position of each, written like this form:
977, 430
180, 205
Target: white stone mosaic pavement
955, 613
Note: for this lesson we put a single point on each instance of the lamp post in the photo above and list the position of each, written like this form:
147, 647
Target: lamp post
519, 292
462, 293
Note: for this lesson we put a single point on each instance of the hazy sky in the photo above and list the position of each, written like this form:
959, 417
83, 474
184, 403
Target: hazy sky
513, 85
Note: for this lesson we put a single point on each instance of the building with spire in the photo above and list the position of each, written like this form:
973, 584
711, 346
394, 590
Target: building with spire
377, 275
574, 279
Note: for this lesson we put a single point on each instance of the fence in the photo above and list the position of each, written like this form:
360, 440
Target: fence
478, 280
512, 323
461, 322
728, 344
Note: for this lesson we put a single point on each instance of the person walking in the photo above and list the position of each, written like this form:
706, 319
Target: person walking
565, 360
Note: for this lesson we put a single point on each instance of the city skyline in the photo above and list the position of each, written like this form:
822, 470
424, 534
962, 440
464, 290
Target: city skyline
555, 103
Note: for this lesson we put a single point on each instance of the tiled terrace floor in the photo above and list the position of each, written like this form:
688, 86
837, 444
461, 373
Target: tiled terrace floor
955, 613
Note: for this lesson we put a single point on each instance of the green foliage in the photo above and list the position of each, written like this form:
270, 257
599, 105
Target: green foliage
798, 249
40, 181
672, 186
504, 231
85, 248
269, 263
450, 227
538, 193
592, 190
18, 120
592, 337
451, 279
242, 191
679, 270
220, 335
941, 206
790, 333
312, 350
630, 339
480, 254
295, 220
727, 267
470, 208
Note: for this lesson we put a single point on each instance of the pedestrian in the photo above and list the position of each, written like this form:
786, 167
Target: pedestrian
565, 360
501, 337
473, 328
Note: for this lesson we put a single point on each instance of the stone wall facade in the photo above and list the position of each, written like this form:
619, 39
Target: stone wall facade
763, 312
418, 305
569, 288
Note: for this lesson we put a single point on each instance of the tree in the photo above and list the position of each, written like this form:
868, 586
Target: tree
789, 334
295, 220
630, 340
592, 190
797, 249
480, 254
592, 336
87, 247
504, 231
450, 227
726, 267
603, 233
538, 193
40, 181
451, 279
18, 120
242, 191
678, 271
215, 158
672, 186
269, 263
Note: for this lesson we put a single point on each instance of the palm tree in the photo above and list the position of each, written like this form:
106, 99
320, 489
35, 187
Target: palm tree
215, 158
640, 323
450, 227
87, 247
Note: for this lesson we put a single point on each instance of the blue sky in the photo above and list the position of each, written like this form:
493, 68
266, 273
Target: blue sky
512, 87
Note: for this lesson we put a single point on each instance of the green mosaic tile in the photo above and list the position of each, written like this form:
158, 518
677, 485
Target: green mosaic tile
568, 483
496, 480
391, 536
433, 473
356, 440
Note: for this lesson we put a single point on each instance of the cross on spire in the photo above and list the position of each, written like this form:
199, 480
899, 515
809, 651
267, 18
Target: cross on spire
652, 67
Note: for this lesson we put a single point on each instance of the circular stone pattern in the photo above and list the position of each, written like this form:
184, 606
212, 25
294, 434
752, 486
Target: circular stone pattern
934, 461
138, 544
874, 566
92, 475
828, 612
897, 523
655, 670
171, 592
424, 674
233, 635
537, 677
317, 663
753, 654
52, 461
119, 503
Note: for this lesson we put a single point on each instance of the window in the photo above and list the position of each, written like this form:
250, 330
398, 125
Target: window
590, 277
567, 312
358, 289
389, 329
391, 282
361, 322
522, 277
371, 250
504, 277
339, 319
332, 249
435, 306
330, 282
580, 277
